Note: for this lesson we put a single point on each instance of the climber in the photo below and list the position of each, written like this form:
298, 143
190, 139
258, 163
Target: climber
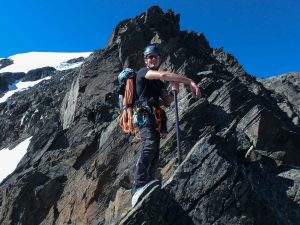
150, 88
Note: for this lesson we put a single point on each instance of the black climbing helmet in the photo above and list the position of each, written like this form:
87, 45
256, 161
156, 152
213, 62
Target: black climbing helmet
151, 49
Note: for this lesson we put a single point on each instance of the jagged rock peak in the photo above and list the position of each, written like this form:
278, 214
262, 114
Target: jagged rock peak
155, 27
229, 61
154, 20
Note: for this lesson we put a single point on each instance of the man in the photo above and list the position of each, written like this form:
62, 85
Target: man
150, 88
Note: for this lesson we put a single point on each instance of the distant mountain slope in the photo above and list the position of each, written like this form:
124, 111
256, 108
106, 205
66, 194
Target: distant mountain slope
286, 88
32, 60
34, 66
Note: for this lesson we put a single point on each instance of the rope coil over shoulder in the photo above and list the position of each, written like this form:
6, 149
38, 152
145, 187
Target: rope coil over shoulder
127, 92
127, 113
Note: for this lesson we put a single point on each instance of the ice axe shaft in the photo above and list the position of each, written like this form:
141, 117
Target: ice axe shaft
177, 127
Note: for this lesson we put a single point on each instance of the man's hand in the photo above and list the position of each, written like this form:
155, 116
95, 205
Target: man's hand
174, 86
195, 90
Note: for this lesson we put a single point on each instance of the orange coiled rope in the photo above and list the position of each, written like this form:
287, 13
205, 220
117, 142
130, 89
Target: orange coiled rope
127, 113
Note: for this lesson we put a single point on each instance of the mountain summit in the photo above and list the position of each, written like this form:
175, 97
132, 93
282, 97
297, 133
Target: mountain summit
240, 149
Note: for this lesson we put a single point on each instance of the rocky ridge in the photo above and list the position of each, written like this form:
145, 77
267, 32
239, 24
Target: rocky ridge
286, 91
240, 149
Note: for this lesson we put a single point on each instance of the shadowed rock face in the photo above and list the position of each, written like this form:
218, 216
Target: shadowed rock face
39, 73
286, 90
241, 151
8, 78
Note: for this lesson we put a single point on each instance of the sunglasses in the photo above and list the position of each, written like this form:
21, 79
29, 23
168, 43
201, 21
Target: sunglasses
152, 57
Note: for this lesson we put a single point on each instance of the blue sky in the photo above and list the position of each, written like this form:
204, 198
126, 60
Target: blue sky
263, 35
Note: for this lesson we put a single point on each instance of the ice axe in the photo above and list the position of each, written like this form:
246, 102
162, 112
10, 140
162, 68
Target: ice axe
177, 127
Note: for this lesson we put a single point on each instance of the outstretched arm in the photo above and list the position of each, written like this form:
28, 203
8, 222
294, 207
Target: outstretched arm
168, 76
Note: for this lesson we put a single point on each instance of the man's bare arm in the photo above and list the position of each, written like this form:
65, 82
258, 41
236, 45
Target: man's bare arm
168, 76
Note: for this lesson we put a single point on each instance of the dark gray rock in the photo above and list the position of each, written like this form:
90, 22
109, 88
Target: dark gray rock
286, 90
5, 63
3, 85
30, 111
76, 60
39, 73
8, 78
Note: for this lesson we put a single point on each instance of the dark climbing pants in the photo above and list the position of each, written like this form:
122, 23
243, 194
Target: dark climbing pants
147, 161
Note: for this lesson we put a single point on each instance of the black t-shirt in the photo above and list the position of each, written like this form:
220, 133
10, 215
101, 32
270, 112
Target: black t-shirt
148, 91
